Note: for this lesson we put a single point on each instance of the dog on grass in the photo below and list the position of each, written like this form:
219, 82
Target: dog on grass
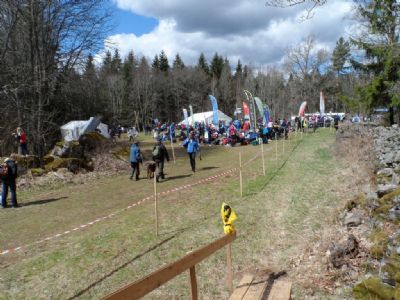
151, 168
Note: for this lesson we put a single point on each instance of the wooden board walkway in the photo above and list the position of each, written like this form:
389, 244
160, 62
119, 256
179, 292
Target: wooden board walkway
262, 287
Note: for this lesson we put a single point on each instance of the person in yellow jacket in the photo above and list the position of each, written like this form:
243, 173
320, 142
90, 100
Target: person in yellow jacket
305, 123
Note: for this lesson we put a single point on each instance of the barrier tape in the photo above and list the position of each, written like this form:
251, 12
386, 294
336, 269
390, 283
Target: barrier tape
111, 215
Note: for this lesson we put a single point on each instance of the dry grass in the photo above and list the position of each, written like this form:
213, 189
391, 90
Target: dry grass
279, 225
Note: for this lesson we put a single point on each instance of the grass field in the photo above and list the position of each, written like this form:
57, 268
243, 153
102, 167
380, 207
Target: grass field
278, 216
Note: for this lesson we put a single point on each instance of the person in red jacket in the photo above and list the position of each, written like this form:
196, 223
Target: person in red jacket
22, 144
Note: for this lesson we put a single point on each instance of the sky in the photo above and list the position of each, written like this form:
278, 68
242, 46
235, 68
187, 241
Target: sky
248, 30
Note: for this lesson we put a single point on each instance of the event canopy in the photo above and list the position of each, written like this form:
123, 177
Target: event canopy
207, 117
74, 129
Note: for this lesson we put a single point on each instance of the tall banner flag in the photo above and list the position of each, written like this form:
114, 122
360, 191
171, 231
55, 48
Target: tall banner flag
185, 114
246, 111
260, 106
214, 105
321, 104
302, 109
266, 114
191, 115
252, 113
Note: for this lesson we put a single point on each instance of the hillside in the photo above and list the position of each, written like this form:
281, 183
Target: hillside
86, 240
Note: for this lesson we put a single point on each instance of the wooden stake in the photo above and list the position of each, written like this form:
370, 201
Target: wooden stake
193, 283
283, 141
276, 149
155, 202
262, 156
240, 174
173, 150
229, 273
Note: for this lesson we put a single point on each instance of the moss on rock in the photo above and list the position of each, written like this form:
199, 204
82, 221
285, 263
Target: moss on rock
373, 288
36, 172
359, 201
71, 164
389, 197
380, 240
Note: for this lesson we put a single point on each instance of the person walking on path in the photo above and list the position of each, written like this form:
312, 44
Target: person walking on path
136, 159
160, 154
192, 147
8, 181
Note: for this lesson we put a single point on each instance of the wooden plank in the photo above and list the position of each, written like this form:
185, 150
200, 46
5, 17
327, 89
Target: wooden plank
193, 283
241, 290
257, 288
280, 290
154, 280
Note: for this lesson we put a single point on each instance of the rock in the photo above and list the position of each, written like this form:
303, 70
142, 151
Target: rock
394, 213
385, 176
352, 219
386, 189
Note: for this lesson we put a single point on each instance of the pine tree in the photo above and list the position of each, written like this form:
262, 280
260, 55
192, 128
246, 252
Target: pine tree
156, 63
90, 69
239, 70
116, 63
164, 65
382, 53
203, 65
178, 63
340, 55
217, 65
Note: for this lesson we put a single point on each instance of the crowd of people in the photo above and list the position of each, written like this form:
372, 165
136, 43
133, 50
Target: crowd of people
236, 133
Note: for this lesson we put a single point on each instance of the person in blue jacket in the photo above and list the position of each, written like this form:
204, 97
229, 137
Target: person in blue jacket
192, 147
135, 159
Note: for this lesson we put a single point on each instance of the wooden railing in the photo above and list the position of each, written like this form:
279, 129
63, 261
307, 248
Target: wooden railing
154, 280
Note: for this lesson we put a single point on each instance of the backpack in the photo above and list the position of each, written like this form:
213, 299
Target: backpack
4, 170
139, 156
156, 152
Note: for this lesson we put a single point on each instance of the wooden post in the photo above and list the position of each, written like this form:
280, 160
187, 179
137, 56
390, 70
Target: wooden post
262, 157
229, 273
155, 201
240, 174
173, 150
276, 148
283, 141
288, 137
193, 283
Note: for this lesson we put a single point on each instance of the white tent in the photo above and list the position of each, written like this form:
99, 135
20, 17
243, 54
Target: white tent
74, 129
207, 117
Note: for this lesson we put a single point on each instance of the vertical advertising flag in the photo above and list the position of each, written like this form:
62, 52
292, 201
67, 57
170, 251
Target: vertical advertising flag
246, 111
214, 105
260, 106
191, 115
321, 104
185, 114
266, 114
302, 109
252, 113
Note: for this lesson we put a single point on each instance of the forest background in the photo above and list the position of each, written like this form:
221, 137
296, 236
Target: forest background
49, 75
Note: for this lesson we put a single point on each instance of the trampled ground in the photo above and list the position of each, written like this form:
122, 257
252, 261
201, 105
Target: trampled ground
90, 253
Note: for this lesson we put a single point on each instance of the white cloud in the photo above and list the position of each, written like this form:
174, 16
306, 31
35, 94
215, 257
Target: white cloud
244, 29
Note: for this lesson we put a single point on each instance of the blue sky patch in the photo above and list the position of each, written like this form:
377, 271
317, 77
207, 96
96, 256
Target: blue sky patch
129, 22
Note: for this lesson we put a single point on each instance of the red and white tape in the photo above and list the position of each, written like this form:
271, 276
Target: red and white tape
111, 215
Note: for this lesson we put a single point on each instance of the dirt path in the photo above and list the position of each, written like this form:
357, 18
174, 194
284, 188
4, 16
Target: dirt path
281, 216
